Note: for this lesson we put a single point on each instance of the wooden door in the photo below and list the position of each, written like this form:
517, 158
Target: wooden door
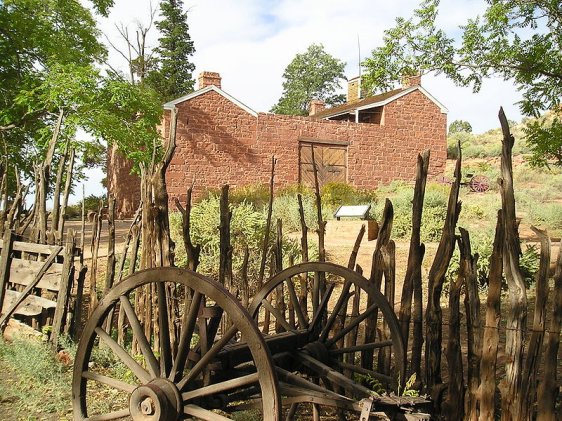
331, 162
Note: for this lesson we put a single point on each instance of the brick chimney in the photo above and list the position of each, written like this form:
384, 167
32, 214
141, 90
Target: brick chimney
209, 78
409, 81
316, 106
356, 90
353, 89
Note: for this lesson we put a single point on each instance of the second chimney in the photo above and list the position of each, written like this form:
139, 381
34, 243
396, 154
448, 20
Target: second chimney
316, 106
209, 78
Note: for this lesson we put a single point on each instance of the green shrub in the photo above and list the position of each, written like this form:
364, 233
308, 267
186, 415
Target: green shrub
482, 245
434, 211
91, 203
247, 230
336, 194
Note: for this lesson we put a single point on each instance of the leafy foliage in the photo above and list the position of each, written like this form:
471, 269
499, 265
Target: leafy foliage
314, 74
173, 76
460, 126
514, 39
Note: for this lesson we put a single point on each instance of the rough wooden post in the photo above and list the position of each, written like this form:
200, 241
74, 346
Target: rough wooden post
532, 363
5, 258
412, 280
94, 246
491, 338
453, 407
512, 399
303, 293
56, 194
437, 272
66, 194
191, 251
356, 246
265, 245
377, 273
473, 325
110, 270
64, 291
548, 387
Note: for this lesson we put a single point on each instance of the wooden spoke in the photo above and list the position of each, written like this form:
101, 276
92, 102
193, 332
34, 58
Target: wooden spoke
366, 372
124, 356
325, 371
343, 300
236, 383
278, 316
110, 416
207, 357
116, 384
372, 345
322, 308
164, 331
138, 331
292, 411
303, 323
352, 324
186, 336
204, 414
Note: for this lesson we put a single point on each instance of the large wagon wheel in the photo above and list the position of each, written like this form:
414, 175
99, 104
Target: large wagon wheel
340, 327
160, 384
479, 183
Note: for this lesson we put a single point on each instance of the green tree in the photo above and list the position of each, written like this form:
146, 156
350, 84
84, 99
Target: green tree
460, 126
173, 76
41, 42
314, 74
49, 63
517, 40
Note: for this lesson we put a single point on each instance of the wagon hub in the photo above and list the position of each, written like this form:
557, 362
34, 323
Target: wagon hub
318, 351
158, 400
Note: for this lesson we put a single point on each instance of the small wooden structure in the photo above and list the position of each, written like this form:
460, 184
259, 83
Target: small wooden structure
35, 283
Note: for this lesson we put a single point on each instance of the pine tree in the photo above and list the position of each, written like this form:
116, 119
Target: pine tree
174, 74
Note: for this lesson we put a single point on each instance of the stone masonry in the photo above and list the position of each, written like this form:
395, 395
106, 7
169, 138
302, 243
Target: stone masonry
218, 142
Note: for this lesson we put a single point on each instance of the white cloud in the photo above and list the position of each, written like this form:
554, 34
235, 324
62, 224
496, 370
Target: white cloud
250, 42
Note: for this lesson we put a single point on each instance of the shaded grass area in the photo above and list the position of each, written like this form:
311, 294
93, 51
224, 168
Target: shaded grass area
34, 384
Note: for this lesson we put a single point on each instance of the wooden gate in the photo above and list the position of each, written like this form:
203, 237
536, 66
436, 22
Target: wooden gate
331, 162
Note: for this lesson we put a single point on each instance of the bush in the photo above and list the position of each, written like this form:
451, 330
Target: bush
247, 230
91, 203
434, 211
336, 194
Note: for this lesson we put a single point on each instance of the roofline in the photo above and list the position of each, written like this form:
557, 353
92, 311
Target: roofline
171, 104
400, 94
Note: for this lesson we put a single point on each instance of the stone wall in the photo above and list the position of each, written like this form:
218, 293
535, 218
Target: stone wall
220, 143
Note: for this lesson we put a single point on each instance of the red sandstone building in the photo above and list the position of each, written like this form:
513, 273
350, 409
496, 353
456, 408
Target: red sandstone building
365, 142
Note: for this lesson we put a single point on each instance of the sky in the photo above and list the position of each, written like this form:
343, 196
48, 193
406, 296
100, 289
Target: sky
251, 42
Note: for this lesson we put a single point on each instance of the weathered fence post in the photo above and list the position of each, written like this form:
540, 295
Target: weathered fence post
487, 388
512, 399
433, 313
412, 280
548, 388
